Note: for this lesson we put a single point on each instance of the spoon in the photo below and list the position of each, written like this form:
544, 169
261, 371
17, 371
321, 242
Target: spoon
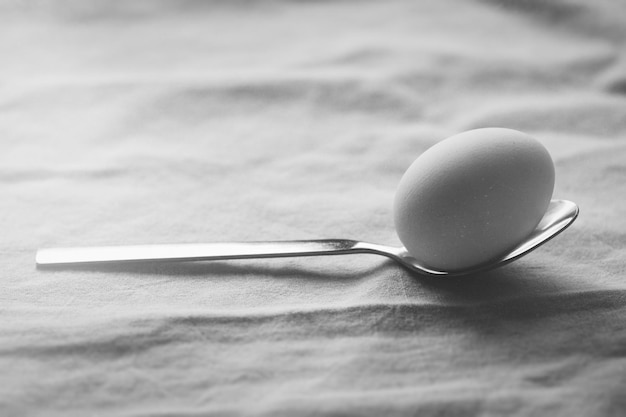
560, 214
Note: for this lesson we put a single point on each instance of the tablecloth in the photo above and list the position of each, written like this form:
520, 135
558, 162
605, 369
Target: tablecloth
207, 121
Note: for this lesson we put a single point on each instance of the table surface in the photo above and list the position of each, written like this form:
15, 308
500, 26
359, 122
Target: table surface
189, 121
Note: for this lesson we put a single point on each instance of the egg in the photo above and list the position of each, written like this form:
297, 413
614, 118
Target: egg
472, 197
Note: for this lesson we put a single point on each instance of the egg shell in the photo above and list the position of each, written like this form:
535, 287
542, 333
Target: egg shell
473, 197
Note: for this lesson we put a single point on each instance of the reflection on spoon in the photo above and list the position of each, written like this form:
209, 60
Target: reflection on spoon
560, 214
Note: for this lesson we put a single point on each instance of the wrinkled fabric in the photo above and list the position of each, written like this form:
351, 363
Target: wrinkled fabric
202, 121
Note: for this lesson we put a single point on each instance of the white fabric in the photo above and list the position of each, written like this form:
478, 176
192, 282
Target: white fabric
190, 121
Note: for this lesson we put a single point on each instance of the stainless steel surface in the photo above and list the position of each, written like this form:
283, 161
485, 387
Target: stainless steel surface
560, 214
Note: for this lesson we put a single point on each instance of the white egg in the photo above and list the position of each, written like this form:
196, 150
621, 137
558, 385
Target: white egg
472, 197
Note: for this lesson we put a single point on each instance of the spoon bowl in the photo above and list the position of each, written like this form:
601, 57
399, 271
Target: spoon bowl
560, 214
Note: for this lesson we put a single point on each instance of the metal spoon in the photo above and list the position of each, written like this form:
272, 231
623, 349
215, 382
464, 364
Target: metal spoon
560, 215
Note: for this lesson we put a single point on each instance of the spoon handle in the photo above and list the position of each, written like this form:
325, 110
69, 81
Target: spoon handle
198, 252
